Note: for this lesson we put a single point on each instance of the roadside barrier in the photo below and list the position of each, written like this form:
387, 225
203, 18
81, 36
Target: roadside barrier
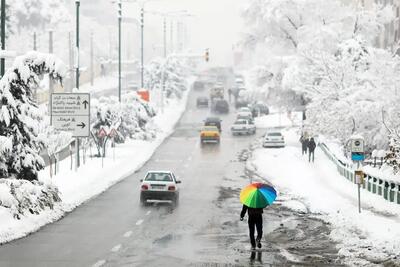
389, 190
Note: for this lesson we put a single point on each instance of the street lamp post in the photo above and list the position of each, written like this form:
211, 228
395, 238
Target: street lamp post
142, 46
119, 48
3, 35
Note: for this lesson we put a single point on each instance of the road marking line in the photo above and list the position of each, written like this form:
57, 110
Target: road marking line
139, 222
116, 248
99, 263
148, 213
128, 234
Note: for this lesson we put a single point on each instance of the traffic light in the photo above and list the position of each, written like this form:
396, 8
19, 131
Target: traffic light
207, 55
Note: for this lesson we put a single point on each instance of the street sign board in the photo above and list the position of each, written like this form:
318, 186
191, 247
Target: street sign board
359, 177
356, 156
113, 133
70, 112
357, 145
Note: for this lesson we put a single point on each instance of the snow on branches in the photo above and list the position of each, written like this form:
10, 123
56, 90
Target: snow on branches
20, 117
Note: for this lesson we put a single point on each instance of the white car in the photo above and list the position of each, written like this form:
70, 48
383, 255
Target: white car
273, 139
243, 127
159, 185
244, 112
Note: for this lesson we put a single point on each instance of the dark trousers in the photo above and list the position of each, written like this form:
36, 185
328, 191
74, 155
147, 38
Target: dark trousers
311, 156
304, 150
255, 221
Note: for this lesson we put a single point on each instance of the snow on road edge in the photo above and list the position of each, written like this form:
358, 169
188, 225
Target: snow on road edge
91, 180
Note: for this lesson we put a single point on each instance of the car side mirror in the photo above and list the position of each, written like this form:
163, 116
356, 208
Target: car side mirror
178, 182
141, 180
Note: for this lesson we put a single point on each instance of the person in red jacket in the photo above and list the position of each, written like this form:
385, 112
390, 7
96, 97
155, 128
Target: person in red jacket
255, 220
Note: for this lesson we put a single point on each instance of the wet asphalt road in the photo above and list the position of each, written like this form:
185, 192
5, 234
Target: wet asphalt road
113, 229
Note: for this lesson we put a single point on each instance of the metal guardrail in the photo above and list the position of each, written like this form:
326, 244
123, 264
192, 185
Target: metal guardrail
389, 190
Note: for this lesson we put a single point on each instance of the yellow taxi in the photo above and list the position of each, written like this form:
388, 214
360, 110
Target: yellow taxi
209, 134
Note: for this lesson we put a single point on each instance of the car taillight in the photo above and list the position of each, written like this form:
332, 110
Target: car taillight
145, 187
216, 135
171, 188
203, 134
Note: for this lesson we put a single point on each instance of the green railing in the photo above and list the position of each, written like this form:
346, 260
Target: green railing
389, 190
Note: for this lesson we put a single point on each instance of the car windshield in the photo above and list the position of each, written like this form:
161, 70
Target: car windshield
210, 128
240, 122
159, 177
274, 134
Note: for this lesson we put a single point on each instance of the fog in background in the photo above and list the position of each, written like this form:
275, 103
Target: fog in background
215, 24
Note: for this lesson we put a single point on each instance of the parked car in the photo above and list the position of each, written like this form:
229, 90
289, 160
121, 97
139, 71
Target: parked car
202, 101
221, 106
209, 134
159, 185
243, 127
273, 139
259, 109
213, 121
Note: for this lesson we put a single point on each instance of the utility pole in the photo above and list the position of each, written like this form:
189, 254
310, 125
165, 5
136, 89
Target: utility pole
51, 84
142, 46
3, 36
71, 62
77, 2
34, 41
119, 49
165, 37
91, 60
171, 36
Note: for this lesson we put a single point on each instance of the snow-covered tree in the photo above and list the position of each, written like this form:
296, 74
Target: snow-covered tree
175, 74
31, 14
20, 117
130, 118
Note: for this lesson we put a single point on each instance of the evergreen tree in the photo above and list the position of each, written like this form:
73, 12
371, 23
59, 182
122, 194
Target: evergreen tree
20, 116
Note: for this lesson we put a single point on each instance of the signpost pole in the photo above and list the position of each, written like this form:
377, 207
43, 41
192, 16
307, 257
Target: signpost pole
77, 2
359, 189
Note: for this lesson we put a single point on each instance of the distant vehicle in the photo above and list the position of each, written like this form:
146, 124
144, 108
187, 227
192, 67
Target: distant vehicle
259, 109
220, 106
159, 185
132, 86
240, 102
202, 101
209, 134
199, 85
213, 121
244, 116
243, 127
273, 139
216, 93
244, 112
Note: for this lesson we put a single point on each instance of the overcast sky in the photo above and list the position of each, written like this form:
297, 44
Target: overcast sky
216, 24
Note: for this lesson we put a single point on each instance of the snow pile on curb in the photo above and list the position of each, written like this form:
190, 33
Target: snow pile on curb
326, 194
91, 179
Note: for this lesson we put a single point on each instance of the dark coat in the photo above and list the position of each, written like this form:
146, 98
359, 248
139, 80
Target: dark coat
312, 145
304, 143
250, 211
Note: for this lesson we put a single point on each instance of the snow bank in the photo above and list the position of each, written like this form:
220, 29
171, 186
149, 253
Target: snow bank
91, 179
374, 232
279, 120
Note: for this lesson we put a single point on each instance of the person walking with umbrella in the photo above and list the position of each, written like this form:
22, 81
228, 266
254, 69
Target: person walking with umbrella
255, 197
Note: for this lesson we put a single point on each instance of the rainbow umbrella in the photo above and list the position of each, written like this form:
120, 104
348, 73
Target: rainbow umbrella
257, 195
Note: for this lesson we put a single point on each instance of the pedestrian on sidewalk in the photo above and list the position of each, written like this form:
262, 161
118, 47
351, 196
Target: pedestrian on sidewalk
255, 220
304, 144
311, 148
230, 94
